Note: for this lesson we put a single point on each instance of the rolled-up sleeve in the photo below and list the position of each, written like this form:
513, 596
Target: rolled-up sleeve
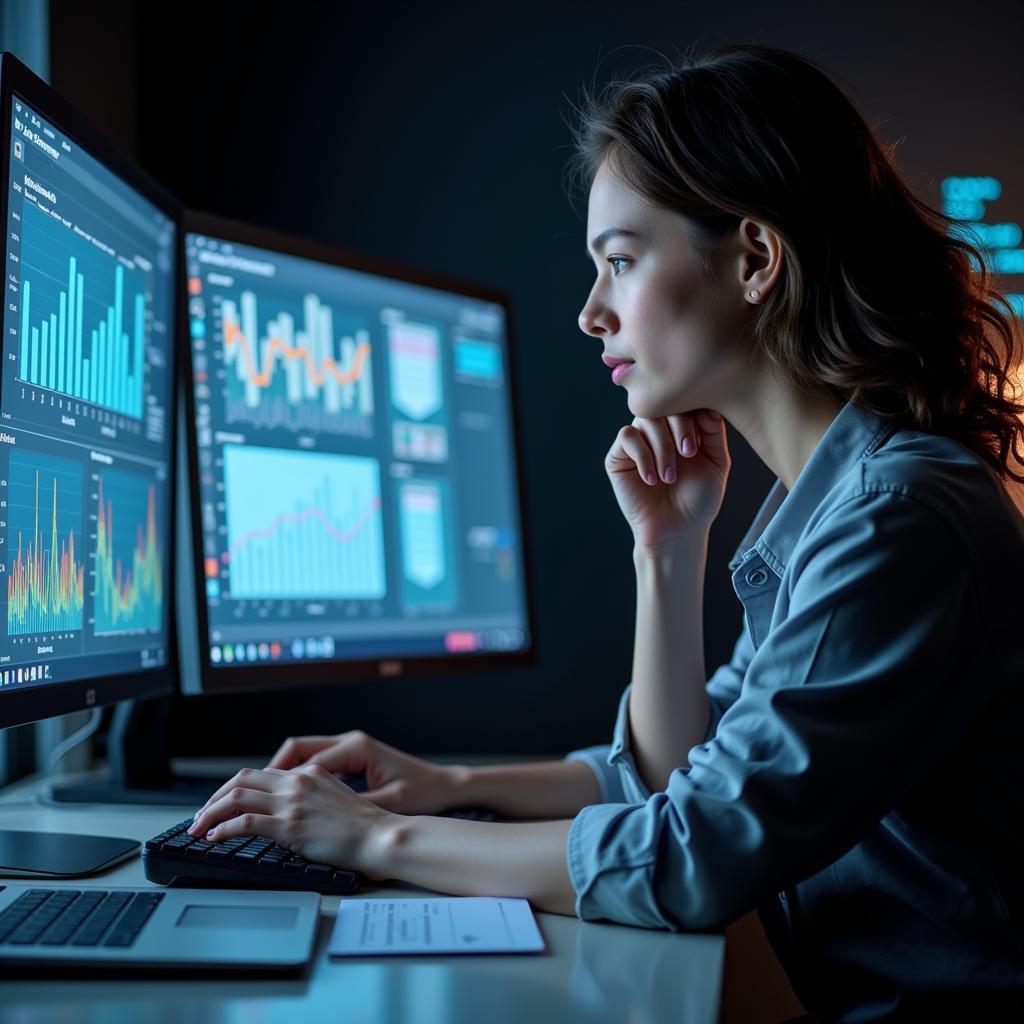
723, 688
849, 701
607, 775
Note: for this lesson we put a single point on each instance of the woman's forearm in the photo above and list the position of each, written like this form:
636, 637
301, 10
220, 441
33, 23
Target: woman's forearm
474, 858
543, 789
668, 705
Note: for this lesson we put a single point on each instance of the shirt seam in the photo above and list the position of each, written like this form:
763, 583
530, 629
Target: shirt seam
900, 491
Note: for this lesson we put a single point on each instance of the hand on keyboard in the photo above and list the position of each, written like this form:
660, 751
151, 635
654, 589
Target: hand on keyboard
395, 780
306, 811
246, 861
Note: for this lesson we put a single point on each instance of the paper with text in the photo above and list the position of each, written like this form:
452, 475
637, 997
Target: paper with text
456, 924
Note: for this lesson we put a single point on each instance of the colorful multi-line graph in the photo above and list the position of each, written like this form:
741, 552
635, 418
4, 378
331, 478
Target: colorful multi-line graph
297, 378
303, 524
45, 585
129, 563
84, 336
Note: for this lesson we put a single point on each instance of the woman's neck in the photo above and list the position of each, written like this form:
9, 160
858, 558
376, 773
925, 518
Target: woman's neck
781, 425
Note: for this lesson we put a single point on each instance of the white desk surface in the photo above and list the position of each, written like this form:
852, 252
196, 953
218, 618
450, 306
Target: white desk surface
592, 972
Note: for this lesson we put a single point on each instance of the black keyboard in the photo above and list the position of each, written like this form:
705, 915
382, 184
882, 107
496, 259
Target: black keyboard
250, 862
65, 917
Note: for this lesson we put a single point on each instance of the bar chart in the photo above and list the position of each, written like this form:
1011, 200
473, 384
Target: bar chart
45, 585
129, 565
303, 524
313, 374
83, 329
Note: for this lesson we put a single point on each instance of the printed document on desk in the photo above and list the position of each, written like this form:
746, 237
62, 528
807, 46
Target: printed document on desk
457, 924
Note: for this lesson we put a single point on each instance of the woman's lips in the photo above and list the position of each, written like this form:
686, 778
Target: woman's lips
620, 370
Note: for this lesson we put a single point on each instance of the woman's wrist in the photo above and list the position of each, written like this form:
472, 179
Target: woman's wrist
460, 782
375, 858
687, 545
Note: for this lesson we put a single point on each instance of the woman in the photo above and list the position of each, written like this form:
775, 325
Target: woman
853, 771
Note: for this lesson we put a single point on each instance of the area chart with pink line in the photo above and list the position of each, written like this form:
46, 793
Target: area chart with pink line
302, 525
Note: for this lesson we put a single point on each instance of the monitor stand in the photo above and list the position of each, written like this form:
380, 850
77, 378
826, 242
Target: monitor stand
139, 755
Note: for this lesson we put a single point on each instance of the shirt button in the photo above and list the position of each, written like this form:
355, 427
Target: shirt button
757, 577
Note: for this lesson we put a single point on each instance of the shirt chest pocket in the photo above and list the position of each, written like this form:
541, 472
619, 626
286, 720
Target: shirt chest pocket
757, 587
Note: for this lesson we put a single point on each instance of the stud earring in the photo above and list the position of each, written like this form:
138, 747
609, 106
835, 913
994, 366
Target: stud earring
754, 293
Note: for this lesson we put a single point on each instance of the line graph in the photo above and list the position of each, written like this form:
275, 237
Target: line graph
45, 588
129, 565
281, 375
303, 524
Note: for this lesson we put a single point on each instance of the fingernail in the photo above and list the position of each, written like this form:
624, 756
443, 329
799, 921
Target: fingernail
688, 446
210, 833
651, 478
670, 474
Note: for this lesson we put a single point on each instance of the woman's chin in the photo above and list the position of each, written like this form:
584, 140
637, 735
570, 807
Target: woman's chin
649, 408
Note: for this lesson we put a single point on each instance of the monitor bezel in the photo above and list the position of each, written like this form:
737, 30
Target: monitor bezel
273, 676
35, 702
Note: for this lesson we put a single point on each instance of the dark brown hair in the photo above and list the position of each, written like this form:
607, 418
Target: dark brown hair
882, 300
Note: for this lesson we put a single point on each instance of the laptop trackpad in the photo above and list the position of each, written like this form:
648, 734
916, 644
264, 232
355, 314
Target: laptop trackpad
207, 916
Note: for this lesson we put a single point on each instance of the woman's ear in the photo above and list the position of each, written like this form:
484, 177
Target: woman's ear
760, 260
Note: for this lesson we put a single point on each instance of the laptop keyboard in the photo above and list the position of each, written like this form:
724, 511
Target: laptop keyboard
65, 917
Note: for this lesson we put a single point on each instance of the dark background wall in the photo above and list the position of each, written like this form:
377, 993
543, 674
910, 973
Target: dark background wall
436, 135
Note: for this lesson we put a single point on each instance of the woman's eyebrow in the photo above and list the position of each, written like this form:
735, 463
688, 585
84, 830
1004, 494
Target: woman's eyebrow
599, 242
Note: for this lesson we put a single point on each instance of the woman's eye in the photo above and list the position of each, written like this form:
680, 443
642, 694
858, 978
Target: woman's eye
614, 261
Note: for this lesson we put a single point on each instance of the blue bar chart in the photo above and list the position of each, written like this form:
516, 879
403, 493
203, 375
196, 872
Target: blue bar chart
303, 524
82, 320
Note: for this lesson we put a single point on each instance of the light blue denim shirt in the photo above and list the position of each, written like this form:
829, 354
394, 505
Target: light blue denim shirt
862, 779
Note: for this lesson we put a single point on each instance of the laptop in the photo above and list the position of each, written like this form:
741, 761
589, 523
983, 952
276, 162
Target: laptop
128, 927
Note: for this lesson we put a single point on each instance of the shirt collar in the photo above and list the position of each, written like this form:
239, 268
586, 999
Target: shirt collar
853, 435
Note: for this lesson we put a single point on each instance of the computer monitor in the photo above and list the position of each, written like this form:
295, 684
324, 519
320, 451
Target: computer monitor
354, 482
86, 414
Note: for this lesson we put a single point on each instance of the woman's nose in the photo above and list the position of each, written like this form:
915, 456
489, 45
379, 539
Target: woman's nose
595, 320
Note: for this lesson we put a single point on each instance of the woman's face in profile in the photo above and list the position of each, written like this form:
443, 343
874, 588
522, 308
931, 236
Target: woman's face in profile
650, 304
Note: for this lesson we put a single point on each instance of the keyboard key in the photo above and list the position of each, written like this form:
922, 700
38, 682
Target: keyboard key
133, 919
105, 915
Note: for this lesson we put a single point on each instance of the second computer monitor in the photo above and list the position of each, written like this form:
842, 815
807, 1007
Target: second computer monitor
353, 476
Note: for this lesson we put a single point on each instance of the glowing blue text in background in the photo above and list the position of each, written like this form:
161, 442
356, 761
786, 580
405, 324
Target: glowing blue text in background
965, 199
